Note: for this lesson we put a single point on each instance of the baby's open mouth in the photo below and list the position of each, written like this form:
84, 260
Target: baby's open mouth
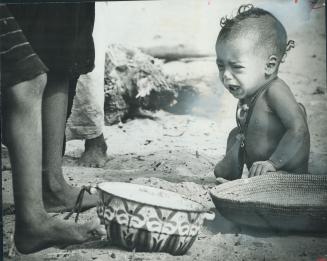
233, 87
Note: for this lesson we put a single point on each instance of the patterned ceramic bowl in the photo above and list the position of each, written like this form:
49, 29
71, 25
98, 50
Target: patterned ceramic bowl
143, 218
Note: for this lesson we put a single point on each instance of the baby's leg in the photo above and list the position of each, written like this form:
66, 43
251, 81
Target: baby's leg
229, 168
305, 151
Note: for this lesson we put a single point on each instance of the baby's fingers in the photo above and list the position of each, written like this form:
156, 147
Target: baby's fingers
264, 170
253, 170
259, 170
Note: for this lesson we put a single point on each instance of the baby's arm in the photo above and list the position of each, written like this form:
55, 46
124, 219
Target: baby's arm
281, 100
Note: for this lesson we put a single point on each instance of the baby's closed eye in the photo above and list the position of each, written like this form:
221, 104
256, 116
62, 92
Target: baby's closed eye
237, 66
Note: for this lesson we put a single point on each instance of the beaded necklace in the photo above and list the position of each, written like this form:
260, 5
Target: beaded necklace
244, 112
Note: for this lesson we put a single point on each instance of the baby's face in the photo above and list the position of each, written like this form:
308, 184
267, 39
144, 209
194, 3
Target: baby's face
241, 67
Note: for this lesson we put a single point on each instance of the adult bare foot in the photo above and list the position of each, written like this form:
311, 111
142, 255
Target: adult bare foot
48, 232
95, 154
59, 196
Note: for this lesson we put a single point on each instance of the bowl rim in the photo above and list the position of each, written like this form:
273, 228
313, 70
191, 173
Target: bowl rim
201, 208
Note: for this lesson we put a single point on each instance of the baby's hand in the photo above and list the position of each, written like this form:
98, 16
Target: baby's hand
261, 168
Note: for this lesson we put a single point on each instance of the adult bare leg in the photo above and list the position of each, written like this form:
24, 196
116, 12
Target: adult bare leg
34, 228
58, 195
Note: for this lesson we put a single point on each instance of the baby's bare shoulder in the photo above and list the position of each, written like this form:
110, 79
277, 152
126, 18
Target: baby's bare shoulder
279, 90
278, 86
279, 97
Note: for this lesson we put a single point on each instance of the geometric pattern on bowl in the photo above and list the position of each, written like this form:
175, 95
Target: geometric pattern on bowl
143, 227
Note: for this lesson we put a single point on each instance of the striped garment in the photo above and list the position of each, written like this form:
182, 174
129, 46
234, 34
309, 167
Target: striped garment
18, 60
60, 34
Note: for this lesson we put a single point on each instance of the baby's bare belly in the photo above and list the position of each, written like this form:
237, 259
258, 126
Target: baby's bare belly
264, 132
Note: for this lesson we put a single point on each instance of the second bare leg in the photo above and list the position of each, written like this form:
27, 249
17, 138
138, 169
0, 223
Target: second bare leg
58, 195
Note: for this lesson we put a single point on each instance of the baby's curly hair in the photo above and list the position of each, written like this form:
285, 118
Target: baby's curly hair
250, 20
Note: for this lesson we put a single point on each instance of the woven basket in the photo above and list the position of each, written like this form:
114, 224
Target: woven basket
282, 202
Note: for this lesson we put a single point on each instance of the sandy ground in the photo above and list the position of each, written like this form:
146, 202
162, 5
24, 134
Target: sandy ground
178, 152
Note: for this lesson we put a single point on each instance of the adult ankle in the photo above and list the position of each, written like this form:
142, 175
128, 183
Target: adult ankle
96, 143
53, 183
29, 220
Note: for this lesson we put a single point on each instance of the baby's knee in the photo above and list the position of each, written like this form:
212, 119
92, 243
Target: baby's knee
225, 169
219, 171
232, 138
225, 172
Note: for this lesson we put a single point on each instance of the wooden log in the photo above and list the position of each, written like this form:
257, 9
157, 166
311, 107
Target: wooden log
174, 52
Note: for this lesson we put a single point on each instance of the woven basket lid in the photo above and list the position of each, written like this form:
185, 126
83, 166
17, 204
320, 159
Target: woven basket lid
276, 201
